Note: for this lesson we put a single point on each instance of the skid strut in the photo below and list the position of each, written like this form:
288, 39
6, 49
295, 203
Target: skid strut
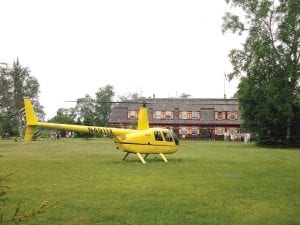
126, 155
143, 159
163, 157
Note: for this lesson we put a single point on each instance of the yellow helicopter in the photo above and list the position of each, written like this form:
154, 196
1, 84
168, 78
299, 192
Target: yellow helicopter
143, 140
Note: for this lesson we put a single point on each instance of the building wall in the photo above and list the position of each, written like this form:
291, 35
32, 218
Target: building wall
192, 117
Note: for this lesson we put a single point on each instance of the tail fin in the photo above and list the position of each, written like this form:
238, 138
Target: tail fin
31, 120
143, 121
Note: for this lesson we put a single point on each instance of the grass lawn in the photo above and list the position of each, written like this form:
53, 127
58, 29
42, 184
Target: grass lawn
203, 183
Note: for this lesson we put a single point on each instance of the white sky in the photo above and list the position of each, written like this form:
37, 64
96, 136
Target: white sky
161, 47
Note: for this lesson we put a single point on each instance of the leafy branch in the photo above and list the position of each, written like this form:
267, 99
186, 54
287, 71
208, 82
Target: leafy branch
17, 218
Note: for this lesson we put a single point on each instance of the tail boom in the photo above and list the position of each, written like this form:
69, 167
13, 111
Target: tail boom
32, 124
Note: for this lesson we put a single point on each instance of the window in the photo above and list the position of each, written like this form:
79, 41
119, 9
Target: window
132, 114
232, 115
183, 115
195, 115
219, 130
167, 136
164, 115
236, 115
188, 115
158, 136
195, 130
185, 130
169, 115
219, 116
227, 115
182, 130
207, 114
157, 115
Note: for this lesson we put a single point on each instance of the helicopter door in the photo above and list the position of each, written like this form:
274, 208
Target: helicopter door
158, 136
168, 136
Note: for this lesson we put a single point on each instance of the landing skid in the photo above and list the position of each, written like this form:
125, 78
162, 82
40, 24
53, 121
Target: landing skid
126, 155
146, 155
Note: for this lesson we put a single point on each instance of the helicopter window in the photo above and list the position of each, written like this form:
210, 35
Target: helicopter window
167, 136
158, 136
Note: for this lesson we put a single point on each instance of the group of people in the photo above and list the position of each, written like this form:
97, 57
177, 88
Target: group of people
237, 137
57, 135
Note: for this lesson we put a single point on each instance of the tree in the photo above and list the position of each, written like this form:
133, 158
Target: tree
95, 112
6, 125
104, 97
85, 109
15, 84
64, 116
269, 66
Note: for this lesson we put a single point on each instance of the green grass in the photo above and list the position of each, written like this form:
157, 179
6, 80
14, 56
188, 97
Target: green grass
203, 183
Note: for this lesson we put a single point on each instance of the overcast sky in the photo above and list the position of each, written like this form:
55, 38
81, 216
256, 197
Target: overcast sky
74, 47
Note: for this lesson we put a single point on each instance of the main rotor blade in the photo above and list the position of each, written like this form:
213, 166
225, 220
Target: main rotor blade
97, 101
112, 102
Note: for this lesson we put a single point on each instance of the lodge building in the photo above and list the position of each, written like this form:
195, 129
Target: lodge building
188, 117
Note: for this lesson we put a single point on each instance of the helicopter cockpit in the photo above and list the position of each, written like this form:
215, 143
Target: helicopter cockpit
166, 135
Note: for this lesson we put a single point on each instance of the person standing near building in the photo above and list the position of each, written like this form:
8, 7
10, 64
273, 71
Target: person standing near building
246, 137
213, 137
